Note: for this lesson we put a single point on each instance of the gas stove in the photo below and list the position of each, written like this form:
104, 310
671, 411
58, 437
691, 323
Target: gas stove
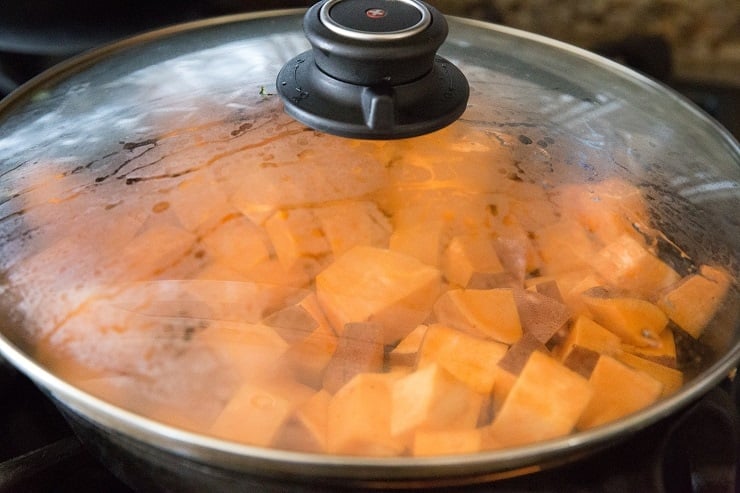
693, 451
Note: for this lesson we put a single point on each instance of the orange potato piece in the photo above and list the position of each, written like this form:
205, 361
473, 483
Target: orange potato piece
389, 288
518, 354
406, 352
237, 243
671, 378
564, 246
618, 391
431, 398
545, 402
588, 334
663, 354
466, 255
634, 320
628, 265
447, 442
251, 349
305, 430
359, 350
693, 303
421, 241
359, 418
608, 209
470, 359
501, 387
308, 358
294, 234
540, 315
254, 415
349, 224
489, 313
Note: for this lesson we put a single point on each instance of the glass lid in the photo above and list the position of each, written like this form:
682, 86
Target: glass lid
559, 260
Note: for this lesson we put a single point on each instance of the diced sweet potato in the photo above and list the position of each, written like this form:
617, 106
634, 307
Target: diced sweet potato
518, 354
582, 360
349, 224
359, 350
489, 313
309, 357
501, 388
296, 322
199, 202
628, 265
540, 315
359, 418
470, 359
305, 430
466, 255
392, 289
564, 246
545, 402
294, 234
634, 320
618, 390
406, 352
421, 241
431, 398
251, 349
607, 209
447, 442
550, 289
237, 243
693, 303
254, 416
671, 378
588, 334
663, 354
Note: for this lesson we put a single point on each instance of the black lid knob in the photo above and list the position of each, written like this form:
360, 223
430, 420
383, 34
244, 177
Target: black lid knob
373, 71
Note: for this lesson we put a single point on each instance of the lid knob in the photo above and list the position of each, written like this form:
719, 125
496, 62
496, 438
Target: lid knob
373, 71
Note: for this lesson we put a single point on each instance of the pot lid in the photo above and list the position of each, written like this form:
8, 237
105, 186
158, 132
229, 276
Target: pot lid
175, 243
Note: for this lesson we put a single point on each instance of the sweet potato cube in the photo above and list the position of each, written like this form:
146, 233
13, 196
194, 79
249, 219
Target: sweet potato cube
238, 243
431, 398
406, 352
296, 233
671, 378
466, 255
470, 359
447, 442
588, 334
296, 322
359, 418
489, 313
518, 354
251, 349
634, 320
618, 390
607, 209
421, 241
550, 289
628, 265
349, 224
502, 386
663, 354
359, 350
305, 430
366, 283
545, 402
308, 358
582, 360
540, 315
254, 415
564, 246
693, 303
